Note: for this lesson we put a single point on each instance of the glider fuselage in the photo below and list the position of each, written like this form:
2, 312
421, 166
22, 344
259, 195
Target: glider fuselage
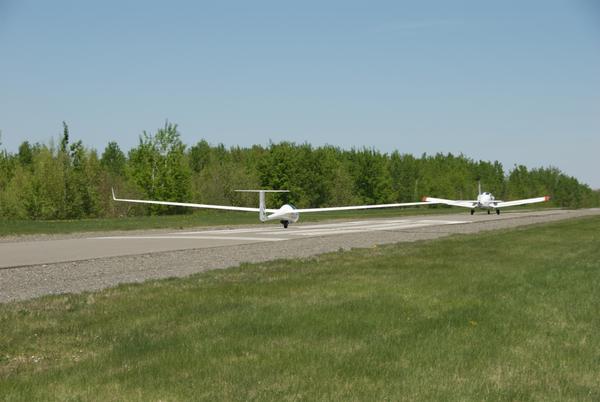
286, 213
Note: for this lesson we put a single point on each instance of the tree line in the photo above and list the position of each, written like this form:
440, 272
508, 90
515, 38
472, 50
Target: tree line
70, 181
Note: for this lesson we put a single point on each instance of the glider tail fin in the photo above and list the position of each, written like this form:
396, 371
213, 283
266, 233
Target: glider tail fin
262, 206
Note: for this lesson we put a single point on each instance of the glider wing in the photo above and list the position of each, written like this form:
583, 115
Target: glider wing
354, 207
190, 205
454, 203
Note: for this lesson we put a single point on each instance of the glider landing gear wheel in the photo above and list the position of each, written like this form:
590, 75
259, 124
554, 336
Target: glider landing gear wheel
497, 212
488, 211
285, 224
472, 211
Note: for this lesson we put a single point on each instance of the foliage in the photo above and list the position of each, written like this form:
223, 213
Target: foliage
71, 182
159, 167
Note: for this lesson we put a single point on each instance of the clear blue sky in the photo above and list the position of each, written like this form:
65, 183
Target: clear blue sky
514, 81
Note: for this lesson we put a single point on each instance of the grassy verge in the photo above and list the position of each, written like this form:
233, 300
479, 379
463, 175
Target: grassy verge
198, 218
499, 316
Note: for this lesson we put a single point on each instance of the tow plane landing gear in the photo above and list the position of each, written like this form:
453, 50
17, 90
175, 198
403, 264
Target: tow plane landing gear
497, 212
285, 224
472, 211
488, 211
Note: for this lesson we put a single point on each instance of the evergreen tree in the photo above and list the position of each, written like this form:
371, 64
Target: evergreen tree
25, 154
64, 142
113, 160
199, 156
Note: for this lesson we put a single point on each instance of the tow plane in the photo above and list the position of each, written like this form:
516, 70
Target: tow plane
485, 201
286, 214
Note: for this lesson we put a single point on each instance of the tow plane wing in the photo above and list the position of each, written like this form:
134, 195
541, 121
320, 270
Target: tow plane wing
501, 204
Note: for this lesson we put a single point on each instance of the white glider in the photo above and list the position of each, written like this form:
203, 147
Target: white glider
485, 201
286, 214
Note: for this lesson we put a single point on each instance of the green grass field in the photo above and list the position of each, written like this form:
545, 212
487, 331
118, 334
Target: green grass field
500, 316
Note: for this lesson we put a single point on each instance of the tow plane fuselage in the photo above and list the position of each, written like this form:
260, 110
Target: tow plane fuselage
486, 201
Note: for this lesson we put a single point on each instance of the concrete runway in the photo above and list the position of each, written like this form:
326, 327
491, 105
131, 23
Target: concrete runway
32, 266
41, 252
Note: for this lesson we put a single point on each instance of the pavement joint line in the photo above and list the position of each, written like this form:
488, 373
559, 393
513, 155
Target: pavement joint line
329, 229
222, 231
240, 238
368, 228
270, 229
350, 231
361, 230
